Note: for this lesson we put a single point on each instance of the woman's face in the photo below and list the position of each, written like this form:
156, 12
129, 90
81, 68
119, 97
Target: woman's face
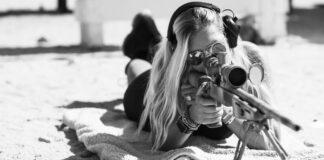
201, 41
204, 40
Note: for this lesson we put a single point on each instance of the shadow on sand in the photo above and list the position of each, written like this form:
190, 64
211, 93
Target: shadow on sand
77, 147
57, 49
24, 12
109, 105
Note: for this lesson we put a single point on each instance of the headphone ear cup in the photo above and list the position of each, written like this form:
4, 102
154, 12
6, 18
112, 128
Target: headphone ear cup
232, 30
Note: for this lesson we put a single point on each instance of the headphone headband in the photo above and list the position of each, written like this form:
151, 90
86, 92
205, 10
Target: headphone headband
171, 36
229, 22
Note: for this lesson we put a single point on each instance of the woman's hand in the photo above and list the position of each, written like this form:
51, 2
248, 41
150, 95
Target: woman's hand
243, 113
206, 110
203, 110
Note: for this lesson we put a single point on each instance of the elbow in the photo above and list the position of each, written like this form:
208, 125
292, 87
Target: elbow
169, 146
166, 148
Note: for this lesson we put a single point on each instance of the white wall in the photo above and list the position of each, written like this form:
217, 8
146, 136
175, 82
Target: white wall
270, 14
6, 5
126, 9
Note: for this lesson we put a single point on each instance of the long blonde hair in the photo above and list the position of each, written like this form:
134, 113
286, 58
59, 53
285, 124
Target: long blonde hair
162, 98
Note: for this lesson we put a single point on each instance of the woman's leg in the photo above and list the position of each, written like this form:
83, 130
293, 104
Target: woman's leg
136, 67
141, 41
139, 46
134, 96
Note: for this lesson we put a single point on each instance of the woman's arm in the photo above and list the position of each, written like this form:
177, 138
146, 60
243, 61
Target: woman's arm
257, 138
197, 111
175, 137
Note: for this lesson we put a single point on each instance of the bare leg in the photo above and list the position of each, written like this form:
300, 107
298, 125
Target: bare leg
135, 68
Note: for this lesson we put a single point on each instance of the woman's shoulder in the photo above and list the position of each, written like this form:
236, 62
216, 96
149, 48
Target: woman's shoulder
253, 52
255, 55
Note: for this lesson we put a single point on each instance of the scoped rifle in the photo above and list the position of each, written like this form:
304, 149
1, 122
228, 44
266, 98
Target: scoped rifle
230, 78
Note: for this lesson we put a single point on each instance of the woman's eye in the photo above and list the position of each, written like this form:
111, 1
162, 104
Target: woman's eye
195, 57
198, 54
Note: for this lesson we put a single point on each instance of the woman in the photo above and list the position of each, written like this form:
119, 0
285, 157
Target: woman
173, 107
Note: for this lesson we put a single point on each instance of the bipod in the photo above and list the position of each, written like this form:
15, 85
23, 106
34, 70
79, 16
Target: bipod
258, 127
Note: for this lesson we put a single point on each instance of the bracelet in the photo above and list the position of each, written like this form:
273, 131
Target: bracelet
228, 119
186, 124
186, 118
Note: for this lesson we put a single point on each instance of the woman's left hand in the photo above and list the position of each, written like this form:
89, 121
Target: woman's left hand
241, 112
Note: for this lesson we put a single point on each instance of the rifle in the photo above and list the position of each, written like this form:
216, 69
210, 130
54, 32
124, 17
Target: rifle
234, 77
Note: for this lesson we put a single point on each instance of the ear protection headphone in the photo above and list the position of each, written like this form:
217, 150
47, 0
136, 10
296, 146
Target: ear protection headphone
232, 29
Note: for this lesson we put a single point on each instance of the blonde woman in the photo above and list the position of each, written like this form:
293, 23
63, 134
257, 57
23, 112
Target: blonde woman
164, 97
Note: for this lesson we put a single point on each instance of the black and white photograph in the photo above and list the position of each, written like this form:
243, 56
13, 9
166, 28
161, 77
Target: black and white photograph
161, 80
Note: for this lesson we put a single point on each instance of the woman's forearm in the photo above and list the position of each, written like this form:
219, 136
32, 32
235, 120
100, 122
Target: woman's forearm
175, 137
257, 139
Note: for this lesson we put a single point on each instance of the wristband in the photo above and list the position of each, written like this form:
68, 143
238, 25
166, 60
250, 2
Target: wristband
228, 119
186, 124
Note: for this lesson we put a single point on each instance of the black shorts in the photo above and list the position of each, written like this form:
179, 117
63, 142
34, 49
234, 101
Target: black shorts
134, 106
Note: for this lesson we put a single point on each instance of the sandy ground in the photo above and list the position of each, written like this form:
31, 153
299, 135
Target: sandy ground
36, 89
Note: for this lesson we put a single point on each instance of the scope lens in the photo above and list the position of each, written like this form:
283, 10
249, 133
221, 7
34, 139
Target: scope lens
237, 77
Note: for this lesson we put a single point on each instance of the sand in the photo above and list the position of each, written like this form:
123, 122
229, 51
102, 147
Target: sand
36, 89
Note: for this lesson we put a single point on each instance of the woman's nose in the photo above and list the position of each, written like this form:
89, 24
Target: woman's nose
201, 68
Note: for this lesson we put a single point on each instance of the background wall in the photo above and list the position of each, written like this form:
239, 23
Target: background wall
93, 12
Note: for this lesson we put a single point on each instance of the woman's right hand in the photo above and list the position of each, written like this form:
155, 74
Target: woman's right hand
203, 110
206, 110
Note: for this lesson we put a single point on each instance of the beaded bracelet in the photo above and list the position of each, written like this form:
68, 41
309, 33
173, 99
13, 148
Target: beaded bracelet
188, 120
186, 124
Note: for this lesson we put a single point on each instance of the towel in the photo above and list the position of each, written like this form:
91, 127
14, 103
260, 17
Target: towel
109, 134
